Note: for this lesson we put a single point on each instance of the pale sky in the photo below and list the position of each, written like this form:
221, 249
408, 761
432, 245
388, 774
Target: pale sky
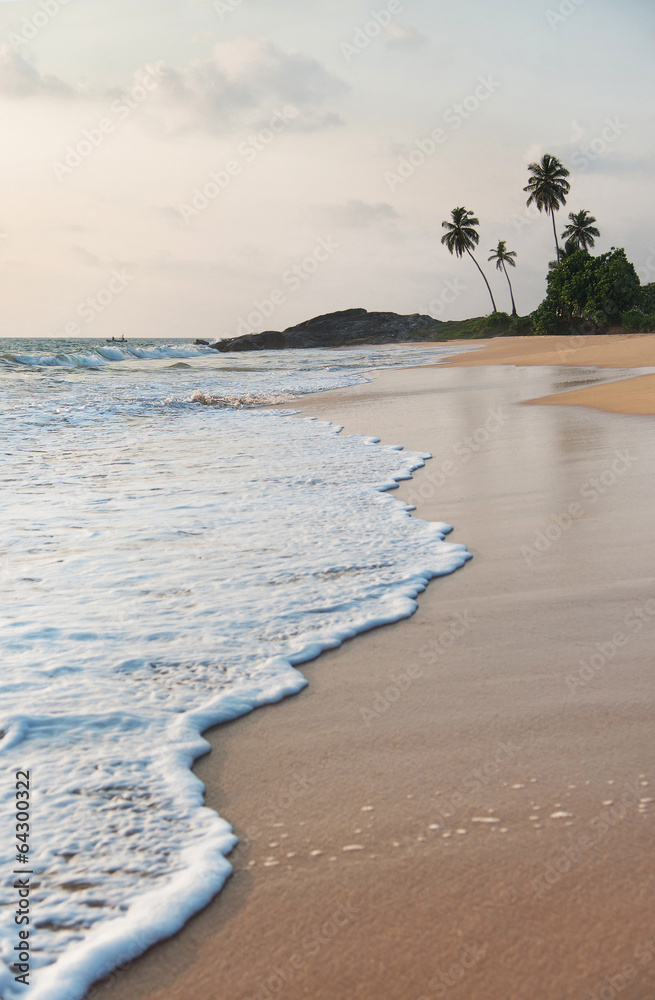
298, 120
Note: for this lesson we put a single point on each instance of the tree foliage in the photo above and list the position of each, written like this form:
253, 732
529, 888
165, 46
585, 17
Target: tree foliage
581, 231
585, 288
462, 237
547, 188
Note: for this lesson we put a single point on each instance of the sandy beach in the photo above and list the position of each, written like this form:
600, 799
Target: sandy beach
635, 350
461, 804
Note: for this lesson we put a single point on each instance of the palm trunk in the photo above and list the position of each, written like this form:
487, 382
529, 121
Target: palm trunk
552, 213
484, 277
514, 312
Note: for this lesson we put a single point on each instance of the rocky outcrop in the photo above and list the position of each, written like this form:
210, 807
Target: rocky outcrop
338, 329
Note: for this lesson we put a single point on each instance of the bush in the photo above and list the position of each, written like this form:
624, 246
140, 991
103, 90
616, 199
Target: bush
521, 326
585, 288
647, 299
638, 322
544, 319
497, 319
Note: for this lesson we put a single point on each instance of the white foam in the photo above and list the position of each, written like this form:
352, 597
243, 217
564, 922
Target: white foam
167, 568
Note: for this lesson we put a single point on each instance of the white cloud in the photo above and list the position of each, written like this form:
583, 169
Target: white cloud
18, 78
246, 78
240, 84
405, 35
362, 213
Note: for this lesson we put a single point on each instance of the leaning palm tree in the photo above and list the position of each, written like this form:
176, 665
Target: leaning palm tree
548, 188
462, 237
580, 231
503, 256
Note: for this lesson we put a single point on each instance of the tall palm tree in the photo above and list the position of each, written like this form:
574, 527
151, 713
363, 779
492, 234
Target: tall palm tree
548, 188
503, 256
462, 237
581, 230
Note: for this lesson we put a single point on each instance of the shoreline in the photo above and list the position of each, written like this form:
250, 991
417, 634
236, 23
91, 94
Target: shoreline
361, 883
632, 395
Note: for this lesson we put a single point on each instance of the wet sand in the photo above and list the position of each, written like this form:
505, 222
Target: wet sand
460, 804
635, 350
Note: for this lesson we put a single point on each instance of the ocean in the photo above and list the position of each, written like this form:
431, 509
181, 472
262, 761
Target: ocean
172, 551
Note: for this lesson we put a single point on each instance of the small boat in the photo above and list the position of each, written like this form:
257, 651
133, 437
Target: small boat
121, 340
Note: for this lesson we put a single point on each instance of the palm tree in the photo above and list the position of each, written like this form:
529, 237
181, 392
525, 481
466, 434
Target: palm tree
581, 231
548, 188
567, 251
503, 256
462, 237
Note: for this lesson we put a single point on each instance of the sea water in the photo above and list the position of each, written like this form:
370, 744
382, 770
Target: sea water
171, 552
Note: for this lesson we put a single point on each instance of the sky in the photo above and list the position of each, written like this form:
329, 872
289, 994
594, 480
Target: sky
203, 168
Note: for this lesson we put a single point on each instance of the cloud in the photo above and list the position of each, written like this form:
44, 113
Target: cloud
85, 257
577, 131
363, 213
404, 35
244, 80
240, 84
18, 78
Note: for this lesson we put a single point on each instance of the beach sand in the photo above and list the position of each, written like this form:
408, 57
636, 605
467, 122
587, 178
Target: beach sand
459, 804
635, 350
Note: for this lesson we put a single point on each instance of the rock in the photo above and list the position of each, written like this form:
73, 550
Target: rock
204, 343
338, 329
268, 341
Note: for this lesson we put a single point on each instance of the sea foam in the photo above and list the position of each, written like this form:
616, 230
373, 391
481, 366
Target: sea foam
167, 568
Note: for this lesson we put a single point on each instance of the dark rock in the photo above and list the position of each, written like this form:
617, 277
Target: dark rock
338, 329
271, 340
204, 343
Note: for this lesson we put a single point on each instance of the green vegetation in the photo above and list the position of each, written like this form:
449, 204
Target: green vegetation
499, 324
548, 188
647, 298
586, 294
594, 291
462, 237
580, 232
503, 256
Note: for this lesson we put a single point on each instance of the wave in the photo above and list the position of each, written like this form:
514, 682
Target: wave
177, 577
99, 357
